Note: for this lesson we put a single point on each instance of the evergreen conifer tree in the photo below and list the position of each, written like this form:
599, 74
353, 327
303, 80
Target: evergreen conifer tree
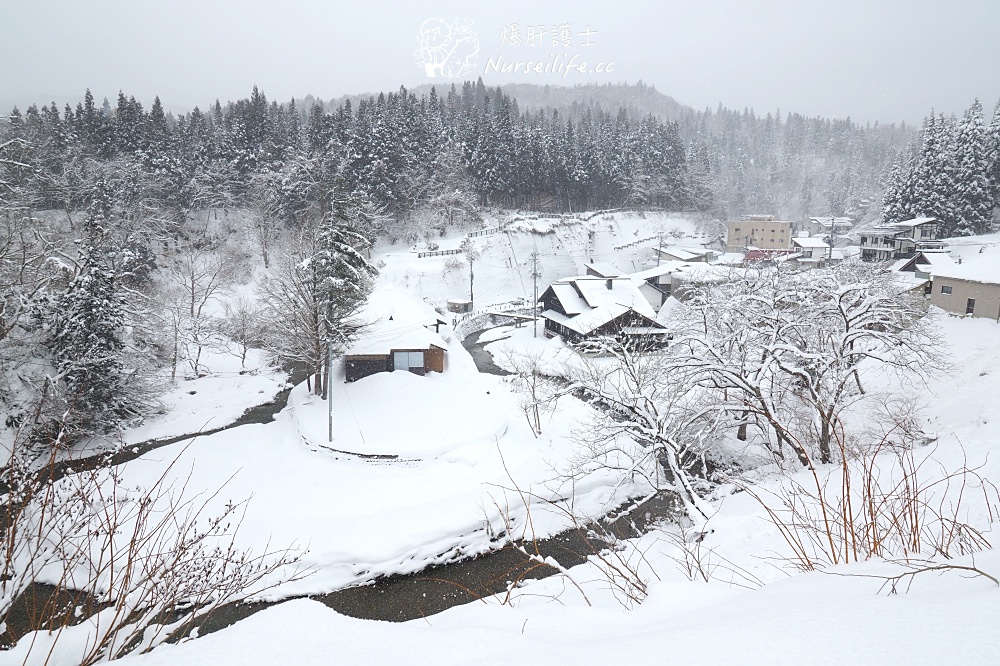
973, 198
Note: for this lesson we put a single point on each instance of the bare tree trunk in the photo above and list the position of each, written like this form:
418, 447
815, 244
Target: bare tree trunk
825, 435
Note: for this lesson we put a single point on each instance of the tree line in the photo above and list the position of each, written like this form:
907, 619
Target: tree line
950, 172
389, 148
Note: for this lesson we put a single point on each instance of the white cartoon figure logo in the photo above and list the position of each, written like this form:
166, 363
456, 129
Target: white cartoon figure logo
447, 48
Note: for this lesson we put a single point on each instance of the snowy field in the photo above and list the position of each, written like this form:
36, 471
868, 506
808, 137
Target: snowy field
840, 615
420, 469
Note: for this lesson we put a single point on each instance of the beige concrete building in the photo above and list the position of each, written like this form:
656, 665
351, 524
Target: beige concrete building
967, 292
759, 231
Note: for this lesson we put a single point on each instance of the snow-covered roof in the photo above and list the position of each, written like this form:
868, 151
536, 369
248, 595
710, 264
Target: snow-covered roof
590, 303
396, 321
894, 228
915, 222
707, 273
571, 301
665, 268
832, 221
622, 292
985, 270
603, 269
907, 282
898, 265
758, 254
935, 260
730, 258
810, 242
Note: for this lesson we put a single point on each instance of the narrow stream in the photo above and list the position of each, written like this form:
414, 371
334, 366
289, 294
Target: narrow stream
395, 598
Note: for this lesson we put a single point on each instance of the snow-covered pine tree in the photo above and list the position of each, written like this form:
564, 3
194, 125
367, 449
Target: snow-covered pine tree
128, 124
993, 156
933, 177
450, 192
700, 177
339, 275
973, 198
895, 200
85, 337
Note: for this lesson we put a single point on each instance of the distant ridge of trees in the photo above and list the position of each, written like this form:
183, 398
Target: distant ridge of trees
523, 146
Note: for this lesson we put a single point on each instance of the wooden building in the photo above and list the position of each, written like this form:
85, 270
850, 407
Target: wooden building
403, 334
417, 361
583, 308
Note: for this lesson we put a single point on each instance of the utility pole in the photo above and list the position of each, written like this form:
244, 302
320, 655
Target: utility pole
329, 389
833, 231
471, 254
534, 287
659, 249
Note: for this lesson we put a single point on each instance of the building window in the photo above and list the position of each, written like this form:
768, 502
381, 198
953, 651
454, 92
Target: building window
970, 306
925, 233
408, 361
946, 290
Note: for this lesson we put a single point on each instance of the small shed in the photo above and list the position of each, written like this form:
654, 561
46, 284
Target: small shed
402, 335
459, 305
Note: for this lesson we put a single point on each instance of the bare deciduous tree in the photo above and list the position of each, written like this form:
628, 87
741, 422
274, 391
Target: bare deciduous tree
243, 324
138, 563
197, 276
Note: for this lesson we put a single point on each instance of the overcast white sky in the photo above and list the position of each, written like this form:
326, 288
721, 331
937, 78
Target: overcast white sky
886, 60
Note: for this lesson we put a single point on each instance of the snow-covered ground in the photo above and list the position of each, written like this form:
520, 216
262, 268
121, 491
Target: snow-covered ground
503, 270
455, 436
448, 446
840, 615
810, 619
220, 397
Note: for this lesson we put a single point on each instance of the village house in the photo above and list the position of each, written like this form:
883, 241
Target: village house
969, 288
901, 240
682, 254
915, 273
584, 308
826, 226
811, 252
758, 231
402, 334
655, 283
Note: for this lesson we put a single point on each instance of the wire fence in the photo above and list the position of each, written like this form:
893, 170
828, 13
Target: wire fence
437, 253
484, 232
635, 243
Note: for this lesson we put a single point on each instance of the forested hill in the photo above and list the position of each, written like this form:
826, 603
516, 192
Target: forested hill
775, 162
560, 149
